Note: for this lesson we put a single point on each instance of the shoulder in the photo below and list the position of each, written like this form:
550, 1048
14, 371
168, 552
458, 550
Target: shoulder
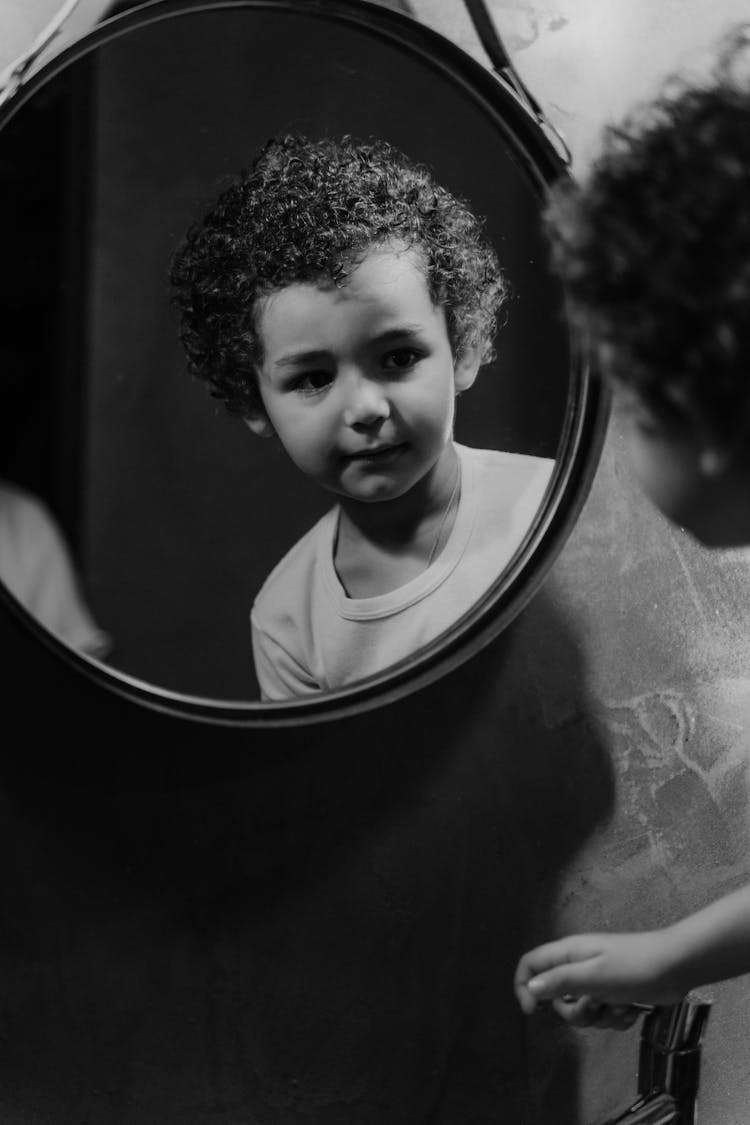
28, 529
499, 460
37, 568
508, 477
23, 513
282, 616
287, 588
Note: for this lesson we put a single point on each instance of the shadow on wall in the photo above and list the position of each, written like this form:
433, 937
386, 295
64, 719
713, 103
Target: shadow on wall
316, 925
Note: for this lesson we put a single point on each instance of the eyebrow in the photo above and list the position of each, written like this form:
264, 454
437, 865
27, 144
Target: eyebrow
316, 356
301, 357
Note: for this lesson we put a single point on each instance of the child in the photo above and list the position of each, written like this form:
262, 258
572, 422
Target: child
339, 299
655, 251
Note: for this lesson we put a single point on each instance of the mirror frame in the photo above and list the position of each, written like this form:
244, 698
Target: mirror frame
577, 458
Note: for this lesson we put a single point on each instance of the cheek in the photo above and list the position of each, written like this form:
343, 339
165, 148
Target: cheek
307, 438
431, 423
436, 400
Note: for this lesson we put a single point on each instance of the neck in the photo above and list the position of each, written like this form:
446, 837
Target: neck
390, 522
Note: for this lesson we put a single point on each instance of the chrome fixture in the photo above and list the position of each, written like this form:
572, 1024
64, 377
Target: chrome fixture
669, 1065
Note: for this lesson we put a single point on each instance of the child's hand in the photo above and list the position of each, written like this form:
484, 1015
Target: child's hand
593, 979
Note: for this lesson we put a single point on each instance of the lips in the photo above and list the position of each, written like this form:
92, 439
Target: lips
377, 452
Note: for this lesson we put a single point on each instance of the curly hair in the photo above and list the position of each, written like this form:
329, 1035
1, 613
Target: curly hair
308, 211
654, 249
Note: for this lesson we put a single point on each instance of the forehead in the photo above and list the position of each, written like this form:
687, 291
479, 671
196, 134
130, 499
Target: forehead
386, 288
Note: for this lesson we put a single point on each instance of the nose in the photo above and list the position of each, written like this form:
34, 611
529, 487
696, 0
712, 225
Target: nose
366, 403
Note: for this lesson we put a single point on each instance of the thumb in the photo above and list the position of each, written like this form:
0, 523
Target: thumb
563, 979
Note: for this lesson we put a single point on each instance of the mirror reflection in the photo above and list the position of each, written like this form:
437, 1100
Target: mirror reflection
339, 301
174, 512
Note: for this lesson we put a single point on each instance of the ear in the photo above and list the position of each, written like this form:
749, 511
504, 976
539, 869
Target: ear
720, 453
466, 368
259, 424
713, 459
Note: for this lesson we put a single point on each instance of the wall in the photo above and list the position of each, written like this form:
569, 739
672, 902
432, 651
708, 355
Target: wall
207, 925
588, 64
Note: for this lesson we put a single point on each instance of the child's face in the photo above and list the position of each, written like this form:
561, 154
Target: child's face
689, 477
359, 382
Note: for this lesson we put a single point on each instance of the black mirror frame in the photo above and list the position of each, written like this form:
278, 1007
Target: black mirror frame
528, 142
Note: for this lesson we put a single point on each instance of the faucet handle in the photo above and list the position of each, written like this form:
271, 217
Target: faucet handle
669, 1064
670, 1054
677, 1027
659, 1109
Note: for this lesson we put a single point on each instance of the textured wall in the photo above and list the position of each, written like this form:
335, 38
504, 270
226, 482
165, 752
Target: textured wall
667, 664
664, 628
586, 62
204, 925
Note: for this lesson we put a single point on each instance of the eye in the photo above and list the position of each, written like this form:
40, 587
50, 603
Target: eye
401, 359
311, 382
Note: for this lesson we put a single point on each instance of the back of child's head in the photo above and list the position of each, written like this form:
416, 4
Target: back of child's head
654, 249
309, 211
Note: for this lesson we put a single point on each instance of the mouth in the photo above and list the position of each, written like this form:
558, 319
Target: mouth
377, 454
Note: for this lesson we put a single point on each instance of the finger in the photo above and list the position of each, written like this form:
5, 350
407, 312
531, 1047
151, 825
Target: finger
578, 978
526, 999
579, 1011
596, 1013
527, 968
550, 955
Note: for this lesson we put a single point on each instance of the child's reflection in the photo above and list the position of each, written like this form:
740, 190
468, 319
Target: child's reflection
339, 299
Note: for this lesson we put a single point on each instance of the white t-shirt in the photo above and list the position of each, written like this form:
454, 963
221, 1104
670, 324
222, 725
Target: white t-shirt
36, 567
309, 636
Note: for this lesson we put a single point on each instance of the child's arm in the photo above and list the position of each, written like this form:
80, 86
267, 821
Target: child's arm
656, 967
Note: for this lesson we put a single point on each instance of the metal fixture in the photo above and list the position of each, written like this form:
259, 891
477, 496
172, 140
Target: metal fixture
669, 1065
489, 37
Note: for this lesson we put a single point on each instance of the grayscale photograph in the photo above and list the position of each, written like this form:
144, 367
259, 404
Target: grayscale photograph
375, 562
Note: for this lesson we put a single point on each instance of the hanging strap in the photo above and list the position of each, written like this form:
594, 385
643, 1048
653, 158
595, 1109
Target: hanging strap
485, 27
11, 78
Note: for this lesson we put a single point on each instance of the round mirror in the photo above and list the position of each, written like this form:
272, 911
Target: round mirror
169, 512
